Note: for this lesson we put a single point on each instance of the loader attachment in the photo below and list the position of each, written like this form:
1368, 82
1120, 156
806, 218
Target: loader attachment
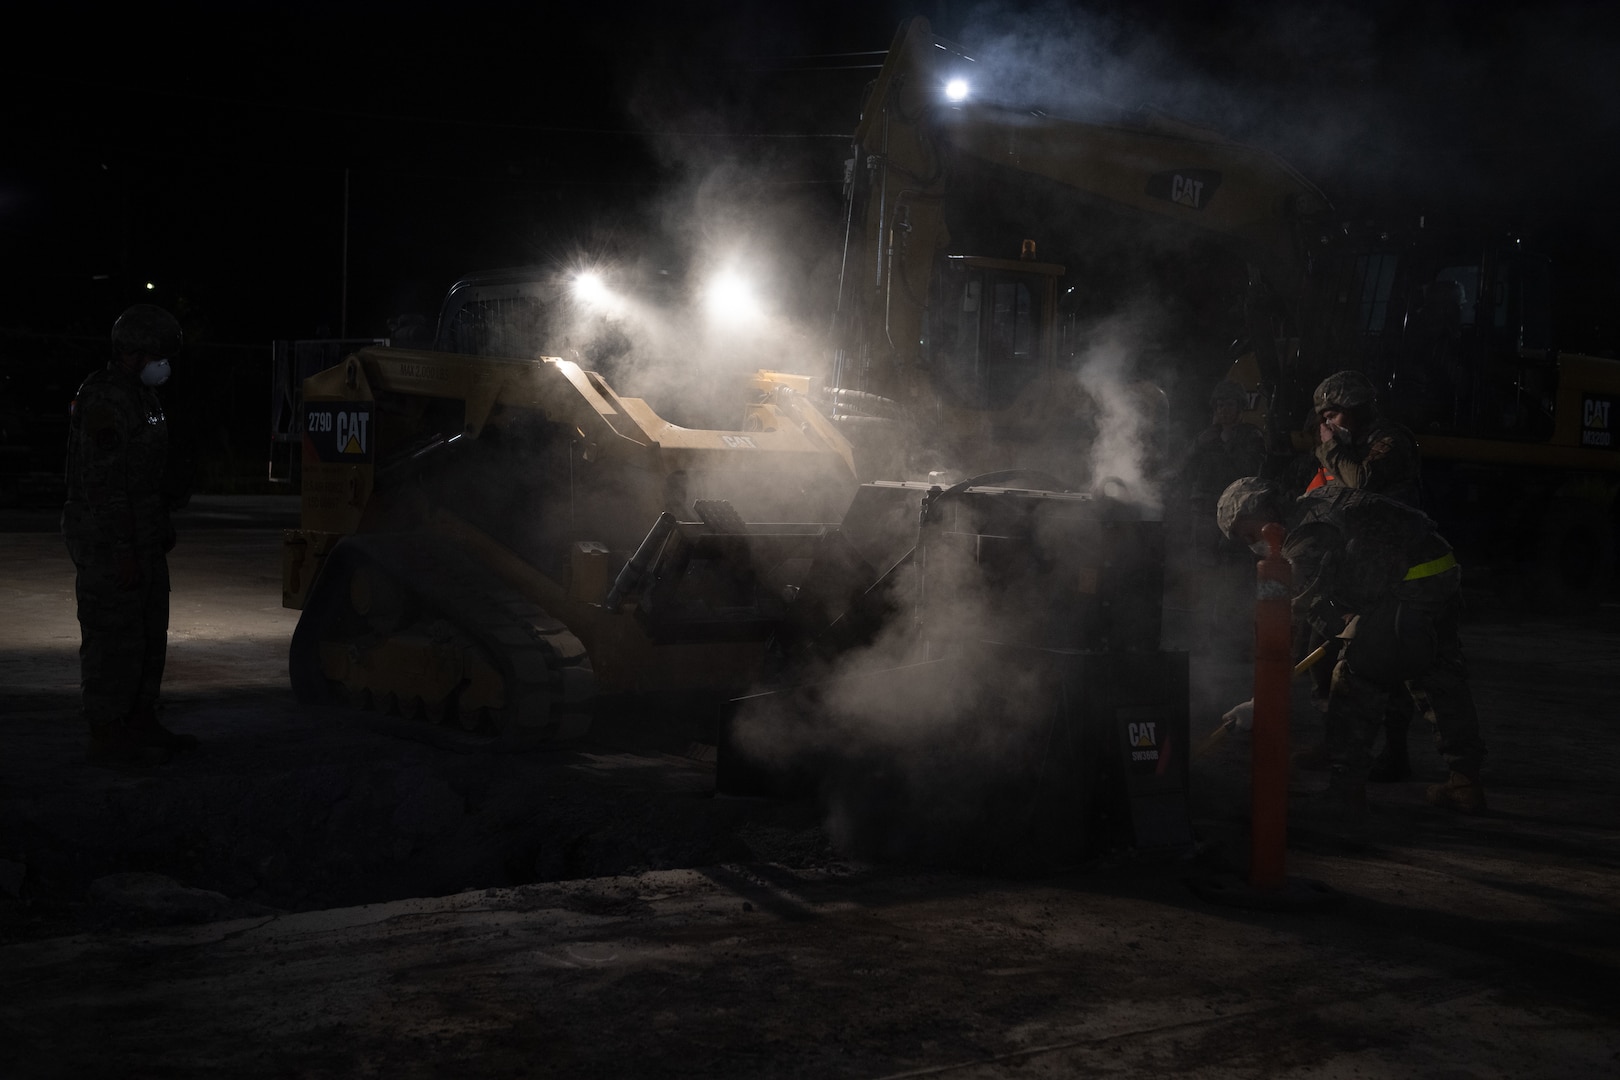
1027, 757
1015, 704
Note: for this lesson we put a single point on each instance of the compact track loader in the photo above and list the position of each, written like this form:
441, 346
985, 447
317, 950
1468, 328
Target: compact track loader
474, 547
501, 545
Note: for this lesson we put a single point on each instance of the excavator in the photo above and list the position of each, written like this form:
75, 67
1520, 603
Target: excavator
957, 313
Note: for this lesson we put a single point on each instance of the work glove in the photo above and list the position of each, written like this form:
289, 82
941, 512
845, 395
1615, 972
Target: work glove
1240, 716
1326, 617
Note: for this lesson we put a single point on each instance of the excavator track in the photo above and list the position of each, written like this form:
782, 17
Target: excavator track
407, 625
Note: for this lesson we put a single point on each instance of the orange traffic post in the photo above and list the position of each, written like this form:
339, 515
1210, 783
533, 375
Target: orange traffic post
1268, 888
1273, 668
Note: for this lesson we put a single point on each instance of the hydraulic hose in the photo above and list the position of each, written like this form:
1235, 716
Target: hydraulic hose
630, 577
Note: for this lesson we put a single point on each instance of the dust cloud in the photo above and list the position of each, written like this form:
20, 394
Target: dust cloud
928, 742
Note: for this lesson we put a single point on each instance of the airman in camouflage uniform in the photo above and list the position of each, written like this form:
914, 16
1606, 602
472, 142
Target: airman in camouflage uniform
1359, 447
1375, 569
116, 525
1226, 450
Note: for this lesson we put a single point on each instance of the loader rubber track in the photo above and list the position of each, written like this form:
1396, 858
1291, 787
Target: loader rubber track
521, 679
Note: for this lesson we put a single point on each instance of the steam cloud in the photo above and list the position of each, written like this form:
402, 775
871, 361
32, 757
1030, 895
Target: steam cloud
1132, 419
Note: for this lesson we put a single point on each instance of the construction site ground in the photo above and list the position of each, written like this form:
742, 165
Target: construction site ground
312, 893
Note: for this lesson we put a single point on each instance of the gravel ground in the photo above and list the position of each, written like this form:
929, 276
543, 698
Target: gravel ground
311, 894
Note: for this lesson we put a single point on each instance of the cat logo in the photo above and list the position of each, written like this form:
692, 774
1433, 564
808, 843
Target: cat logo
739, 442
1144, 740
1596, 415
338, 431
1192, 188
351, 432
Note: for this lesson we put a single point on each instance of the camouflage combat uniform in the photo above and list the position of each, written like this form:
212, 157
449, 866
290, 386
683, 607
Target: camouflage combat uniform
116, 514
1356, 553
1382, 458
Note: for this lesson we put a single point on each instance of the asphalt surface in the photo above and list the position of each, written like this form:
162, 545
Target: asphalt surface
313, 894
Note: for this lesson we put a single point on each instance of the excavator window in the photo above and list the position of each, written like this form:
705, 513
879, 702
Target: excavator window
1478, 333
984, 339
1535, 303
1377, 273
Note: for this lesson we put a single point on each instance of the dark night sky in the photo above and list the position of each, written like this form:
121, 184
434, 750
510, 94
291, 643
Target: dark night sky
205, 147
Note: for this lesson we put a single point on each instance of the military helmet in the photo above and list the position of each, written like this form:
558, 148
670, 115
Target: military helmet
147, 328
1226, 391
1250, 497
1344, 390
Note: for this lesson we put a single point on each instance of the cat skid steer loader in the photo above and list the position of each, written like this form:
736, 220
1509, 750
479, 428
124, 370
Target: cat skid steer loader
467, 530
502, 545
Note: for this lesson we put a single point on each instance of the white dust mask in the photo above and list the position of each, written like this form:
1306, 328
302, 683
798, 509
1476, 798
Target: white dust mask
155, 373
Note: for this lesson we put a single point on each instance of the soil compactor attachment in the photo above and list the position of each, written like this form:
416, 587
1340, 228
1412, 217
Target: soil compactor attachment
998, 696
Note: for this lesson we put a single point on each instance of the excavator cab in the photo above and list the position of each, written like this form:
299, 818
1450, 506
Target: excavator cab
989, 332
1493, 367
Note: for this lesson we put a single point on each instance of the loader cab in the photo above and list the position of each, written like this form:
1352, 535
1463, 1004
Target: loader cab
526, 312
505, 313
989, 332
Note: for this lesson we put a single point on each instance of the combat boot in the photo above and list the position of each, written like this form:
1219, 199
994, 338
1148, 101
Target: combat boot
146, 730
1460, 792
